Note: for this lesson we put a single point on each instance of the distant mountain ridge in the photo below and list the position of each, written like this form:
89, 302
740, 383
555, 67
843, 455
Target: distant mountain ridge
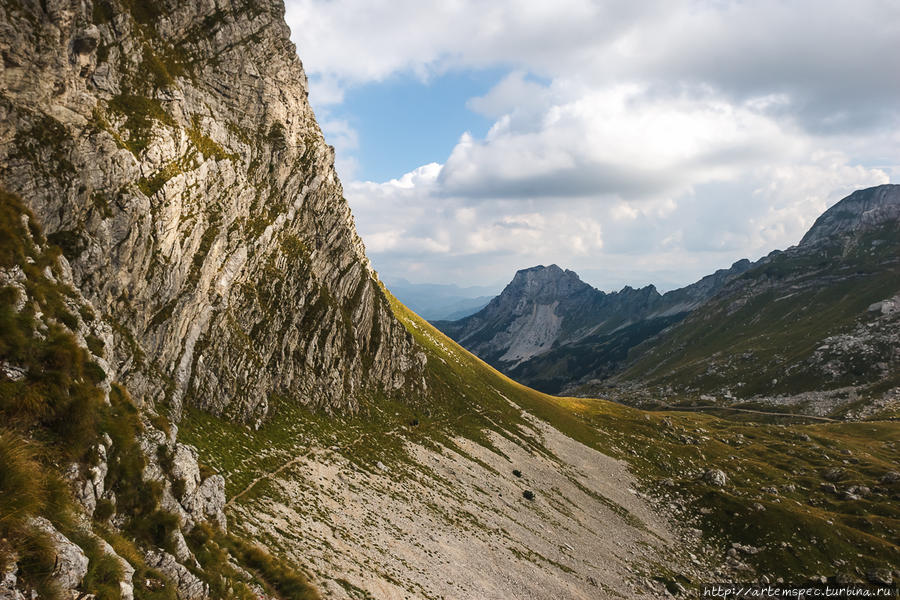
434, 301
815, 327
547, 315
550, 330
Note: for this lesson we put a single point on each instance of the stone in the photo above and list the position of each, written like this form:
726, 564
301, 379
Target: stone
126, 585
71, 561
890, 477
8, 580
880, 576
833, 474
210, 498
189, 587
715, 477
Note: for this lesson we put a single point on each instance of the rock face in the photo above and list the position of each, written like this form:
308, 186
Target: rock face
548, 329
170, 150
71, 562
862, 211
189, 587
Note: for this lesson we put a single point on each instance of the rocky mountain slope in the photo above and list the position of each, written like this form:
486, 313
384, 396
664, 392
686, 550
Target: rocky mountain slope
548, 329
170, 150
820, 315
205, 392
812, 328
174, 234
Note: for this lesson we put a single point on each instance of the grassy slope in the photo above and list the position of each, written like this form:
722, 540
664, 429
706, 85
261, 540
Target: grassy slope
467, 397
762, 333
864, 532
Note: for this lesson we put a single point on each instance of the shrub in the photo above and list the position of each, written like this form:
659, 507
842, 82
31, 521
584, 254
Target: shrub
517, 472
21, 492
289, 584
528, 495
178, 488
156, 528
104, 510
104, 571
37, 560
94, 344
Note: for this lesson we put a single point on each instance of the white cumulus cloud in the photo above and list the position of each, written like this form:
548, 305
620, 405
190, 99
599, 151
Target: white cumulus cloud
632, 142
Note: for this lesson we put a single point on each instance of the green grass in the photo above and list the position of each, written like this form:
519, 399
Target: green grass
141, 113
468, 398
864, 532
793, 304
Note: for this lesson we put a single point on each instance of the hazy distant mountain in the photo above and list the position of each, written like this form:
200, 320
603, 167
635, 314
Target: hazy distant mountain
434, 301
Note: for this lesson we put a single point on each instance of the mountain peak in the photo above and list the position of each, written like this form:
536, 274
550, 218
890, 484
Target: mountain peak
863, 210
540, 282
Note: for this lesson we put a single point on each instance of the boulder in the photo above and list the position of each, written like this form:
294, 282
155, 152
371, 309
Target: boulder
715, 477
833, 474
890, 477
188, 585
71, 562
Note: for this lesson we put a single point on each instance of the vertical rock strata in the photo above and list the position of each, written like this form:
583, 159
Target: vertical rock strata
170, 150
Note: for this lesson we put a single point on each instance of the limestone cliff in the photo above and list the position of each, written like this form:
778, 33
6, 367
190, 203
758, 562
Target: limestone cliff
170, 150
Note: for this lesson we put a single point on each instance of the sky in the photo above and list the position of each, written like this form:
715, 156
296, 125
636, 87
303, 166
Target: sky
632, 142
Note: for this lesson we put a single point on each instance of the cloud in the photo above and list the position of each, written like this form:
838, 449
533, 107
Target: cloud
733, 184
634, 142
345, 139
615, 143
832, 62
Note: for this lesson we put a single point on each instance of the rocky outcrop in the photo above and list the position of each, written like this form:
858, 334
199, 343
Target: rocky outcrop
189, 586
170, 150
71, 564
185, 493
862, 211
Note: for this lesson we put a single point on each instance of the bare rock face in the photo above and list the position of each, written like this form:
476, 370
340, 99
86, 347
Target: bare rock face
170, 150
863, 210
189, 587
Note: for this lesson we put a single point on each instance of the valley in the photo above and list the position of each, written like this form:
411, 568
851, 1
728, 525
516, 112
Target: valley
207, 392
